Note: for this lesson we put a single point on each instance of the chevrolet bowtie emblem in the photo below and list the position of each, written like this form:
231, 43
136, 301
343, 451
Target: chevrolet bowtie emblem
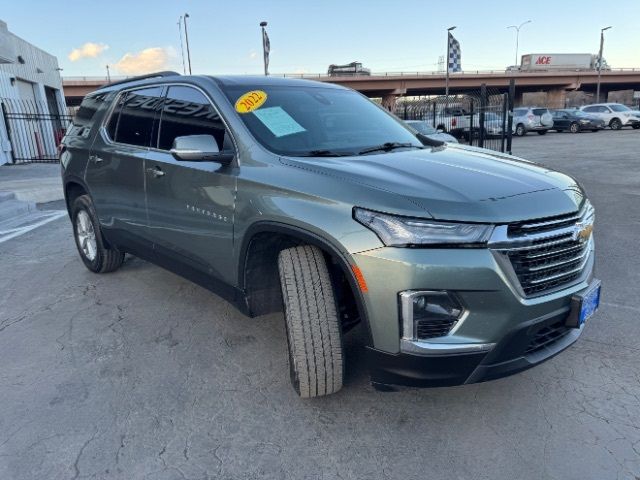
582, 231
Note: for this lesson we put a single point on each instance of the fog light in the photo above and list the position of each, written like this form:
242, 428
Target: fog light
428, 314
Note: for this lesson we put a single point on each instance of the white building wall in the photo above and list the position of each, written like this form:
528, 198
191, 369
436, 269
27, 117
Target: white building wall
39, 68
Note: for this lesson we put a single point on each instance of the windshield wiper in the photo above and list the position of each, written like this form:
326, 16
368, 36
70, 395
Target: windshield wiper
387, 147
324, 153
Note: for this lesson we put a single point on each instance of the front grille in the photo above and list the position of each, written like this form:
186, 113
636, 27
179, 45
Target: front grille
547, 254
433, 328
547, 336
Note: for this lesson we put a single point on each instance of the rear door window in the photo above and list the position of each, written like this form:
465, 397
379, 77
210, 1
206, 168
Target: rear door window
520, 112
132, 120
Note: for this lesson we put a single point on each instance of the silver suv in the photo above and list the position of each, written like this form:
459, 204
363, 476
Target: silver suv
615, 115
528, 119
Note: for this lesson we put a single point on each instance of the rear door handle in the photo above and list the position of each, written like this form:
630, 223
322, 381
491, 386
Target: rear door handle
156, 172
95, 159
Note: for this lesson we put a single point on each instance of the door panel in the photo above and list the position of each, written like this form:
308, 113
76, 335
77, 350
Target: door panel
115, 171
190, 205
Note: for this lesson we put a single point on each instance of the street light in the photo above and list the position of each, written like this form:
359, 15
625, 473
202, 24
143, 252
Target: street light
184, 68
446, 78
600, 61
108, 74
186, 38
518, 27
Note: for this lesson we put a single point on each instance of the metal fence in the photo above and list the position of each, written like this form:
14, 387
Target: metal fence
34, 130
480, 118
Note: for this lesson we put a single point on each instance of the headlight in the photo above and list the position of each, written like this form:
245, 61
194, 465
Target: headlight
397, 231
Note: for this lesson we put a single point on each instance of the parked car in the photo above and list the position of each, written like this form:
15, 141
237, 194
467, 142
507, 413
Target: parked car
575, 121
614, 115
456, 121
531, 119
424, 128
460, 264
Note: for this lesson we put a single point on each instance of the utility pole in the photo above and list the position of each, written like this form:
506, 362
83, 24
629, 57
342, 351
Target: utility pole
446, 63
600, 61
108, 75
186, 37
184, 68
517, 28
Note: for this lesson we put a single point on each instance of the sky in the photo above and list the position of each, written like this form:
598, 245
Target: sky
138, 36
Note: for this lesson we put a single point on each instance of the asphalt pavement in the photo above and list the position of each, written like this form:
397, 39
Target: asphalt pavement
140, 374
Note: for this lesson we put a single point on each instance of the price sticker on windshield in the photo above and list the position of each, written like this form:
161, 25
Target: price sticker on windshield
251, 101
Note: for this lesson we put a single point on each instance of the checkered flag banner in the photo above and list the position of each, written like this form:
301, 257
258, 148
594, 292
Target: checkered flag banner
455, 56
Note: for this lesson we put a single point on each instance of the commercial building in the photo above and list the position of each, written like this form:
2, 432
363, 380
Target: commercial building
33, 109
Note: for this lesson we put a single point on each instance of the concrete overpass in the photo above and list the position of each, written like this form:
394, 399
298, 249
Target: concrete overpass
390, 86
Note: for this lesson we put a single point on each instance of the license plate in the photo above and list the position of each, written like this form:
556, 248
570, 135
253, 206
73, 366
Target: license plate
590, 303
584, 305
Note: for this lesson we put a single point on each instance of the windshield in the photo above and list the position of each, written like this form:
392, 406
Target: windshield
616, 107
305, 120
422, 127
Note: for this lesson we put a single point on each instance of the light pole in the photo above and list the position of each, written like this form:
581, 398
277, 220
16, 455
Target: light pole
600, 61
108, 74
446, 77
186, 38
517, 28
184, 68
266, 47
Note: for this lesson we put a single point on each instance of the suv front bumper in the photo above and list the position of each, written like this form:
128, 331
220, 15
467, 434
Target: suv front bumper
496, 336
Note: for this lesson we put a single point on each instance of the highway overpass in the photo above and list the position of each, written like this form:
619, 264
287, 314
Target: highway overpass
390, 86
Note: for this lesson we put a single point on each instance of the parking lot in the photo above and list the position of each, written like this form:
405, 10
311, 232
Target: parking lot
141, 374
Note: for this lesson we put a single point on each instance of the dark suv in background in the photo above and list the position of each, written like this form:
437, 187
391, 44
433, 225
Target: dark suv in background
459, 264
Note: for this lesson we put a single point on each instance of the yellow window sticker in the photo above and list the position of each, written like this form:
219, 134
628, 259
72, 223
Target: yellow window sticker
251, 101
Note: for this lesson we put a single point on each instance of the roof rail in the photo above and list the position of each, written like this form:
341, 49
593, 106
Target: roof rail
165, 73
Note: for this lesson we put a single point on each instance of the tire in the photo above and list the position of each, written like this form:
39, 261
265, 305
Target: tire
595, 130
635, 126
96, 256
559, 130
542, 132
520, 130
574, 128
615, 124
313, 328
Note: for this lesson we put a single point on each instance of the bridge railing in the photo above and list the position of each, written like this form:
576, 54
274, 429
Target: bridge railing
70, 79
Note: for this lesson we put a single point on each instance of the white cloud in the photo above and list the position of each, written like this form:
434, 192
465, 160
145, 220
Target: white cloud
146, 61
253, 54
88, 50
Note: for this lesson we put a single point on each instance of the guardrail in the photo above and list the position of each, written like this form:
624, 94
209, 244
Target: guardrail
387, 74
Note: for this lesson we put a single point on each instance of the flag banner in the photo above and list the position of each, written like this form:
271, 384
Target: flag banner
455, 57
266, 47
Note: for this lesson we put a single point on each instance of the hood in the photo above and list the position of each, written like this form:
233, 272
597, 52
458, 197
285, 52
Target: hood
454, 182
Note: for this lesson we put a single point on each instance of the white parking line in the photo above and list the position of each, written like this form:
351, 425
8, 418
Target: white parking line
43, 218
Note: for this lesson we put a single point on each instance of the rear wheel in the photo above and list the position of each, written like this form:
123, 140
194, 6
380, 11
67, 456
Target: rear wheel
615, 124
520, 130
96, 256
574, 128
542, 132
635, 126
312, 323
595, 130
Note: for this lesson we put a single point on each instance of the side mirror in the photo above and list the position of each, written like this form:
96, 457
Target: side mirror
428, 142
199, 148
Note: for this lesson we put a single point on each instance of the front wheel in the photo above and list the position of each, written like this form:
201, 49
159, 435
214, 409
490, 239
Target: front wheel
520, 130
96, 256
615, 124
635, 126
574, 128
542, 132
313, 327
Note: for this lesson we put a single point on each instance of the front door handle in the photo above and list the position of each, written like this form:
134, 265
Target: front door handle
95, 159
156, 172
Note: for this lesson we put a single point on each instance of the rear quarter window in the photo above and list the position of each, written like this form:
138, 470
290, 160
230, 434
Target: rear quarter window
84, 118
540, 111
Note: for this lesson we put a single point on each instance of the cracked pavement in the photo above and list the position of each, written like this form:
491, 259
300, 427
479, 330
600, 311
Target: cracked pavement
140, 374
